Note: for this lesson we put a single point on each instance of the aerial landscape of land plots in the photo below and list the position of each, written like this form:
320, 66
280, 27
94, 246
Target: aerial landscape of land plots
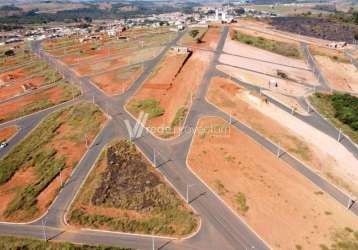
34, 170
168, 92
112, 64
125, 193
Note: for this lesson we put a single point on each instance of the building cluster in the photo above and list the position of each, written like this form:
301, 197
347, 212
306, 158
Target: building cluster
89, 30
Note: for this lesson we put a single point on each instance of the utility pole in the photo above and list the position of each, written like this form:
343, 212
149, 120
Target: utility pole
187, 191
154, 159
44, 229
278, 151
339, 135
61, 181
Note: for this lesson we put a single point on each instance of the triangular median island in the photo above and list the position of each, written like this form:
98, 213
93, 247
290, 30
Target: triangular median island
125, 193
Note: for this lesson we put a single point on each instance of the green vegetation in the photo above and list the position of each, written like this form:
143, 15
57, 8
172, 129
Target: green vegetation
133, 188
20, 243
41, 101
150, 106
179, 117
220, 187
340, 109
240, 200
282, 48
344, 239
36, 152
194, 35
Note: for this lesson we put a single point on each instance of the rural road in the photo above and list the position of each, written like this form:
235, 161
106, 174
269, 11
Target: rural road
221, 228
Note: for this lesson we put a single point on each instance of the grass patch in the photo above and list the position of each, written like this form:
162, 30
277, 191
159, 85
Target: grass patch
220, 187
344, 239
36, 151
21, 243
122, 180
194, 35
278, 47
150, 106
340, 109
179, 117
42, 101
240, 200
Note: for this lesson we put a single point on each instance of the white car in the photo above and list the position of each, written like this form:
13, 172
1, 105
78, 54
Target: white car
3, 145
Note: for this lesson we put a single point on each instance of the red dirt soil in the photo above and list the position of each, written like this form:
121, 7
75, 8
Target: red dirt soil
13, 75
20, 179
114, 83
210, 39
273, 190
10, 108
90, 55
15, 88
7, 133
173, 95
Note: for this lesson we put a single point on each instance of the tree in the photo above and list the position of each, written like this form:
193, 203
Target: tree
9, 52
355, 17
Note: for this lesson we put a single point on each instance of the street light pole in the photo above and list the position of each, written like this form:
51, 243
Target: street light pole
44, 229
187, 191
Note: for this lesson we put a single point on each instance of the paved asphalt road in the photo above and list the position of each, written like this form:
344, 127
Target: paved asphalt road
221, 228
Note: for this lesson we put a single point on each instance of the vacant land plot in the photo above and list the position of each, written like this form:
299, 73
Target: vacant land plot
28, 104
341, 110
30, 173
10, 242
117, 82
97, 67
261, 80
193, 36
265, 27
267, 42
7, 133
207, 39
267, 63
23, 72
288, 101
21, 54
267, 193
336, 67
124, 193
317, 150
29, 83
166, 95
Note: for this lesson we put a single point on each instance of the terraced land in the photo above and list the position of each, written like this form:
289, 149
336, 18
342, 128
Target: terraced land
125, 193
31, 174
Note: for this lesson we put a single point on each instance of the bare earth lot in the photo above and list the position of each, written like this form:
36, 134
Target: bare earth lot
96, 67
125, 193
118, 81
314, 148
30, 173
266, 192
25, 105
340, 73
7, 133
166, 94
265, 62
